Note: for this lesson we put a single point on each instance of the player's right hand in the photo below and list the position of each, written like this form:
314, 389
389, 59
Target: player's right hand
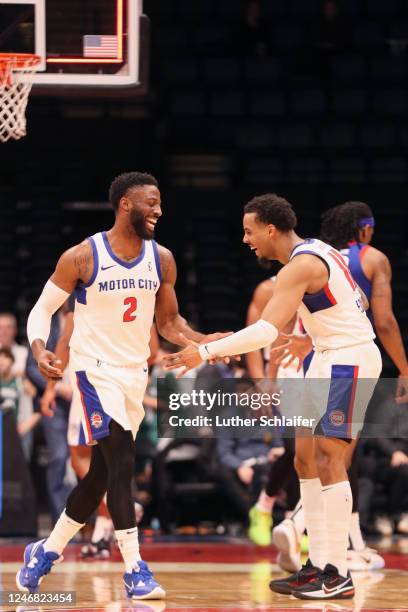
49, 365
47, 402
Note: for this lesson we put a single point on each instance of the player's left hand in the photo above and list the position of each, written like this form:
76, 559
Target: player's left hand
401, 394
188, 358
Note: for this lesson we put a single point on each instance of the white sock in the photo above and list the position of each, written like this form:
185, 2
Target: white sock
65, 529
265, 502
102, 530
356, 537
298, 518
338, 503
314, 514
128, 542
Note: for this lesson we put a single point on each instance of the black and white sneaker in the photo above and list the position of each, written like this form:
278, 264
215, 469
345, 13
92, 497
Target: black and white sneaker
296, 581
330, 586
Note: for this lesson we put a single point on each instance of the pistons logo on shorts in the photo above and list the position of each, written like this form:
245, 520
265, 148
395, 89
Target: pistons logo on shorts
96, 420
336, 418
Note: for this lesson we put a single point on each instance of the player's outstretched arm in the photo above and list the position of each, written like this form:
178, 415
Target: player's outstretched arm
74, 265
291, 284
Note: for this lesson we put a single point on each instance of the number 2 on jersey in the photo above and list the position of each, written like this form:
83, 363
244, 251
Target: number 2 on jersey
128, 315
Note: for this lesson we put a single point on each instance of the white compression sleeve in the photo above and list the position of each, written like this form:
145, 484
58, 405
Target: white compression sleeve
39, 319
249, 339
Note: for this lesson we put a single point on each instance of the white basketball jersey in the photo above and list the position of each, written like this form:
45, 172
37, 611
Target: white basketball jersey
334, 317
114, 311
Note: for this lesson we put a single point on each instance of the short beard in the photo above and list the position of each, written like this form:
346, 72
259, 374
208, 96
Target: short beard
140, 226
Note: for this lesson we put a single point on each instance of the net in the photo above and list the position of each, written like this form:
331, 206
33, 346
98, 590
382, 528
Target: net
16, 70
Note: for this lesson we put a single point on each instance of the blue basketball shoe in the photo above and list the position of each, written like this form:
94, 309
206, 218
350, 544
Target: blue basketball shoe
140, 584
37, 563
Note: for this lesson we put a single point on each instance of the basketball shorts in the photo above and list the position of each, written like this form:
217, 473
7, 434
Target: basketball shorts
102, 392
338, 387
76, 434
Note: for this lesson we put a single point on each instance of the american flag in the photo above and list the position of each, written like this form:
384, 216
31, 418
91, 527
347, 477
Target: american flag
100, 45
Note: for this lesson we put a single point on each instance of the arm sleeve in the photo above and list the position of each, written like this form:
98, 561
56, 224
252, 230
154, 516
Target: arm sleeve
39, 319
251, 338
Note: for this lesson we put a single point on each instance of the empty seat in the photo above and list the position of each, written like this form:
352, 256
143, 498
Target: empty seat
274, 9
267, 104
399, 30
389, 68
170, 36
389, 169
265, 170
300, 8
368, 35
380, 8
296, 136
222, 69
227, 103
197, 10
287, 36
350, 102
256, 136
351, 7
347, 169
391, 102
337, 135
306, 170
263, 70
180, 69
308, 101
349, 67
228, 9
377, 135
210, 38
187, 103
403, 134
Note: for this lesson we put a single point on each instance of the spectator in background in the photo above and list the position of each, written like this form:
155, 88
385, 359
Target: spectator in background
55, 427
244, 462
330, 33
386, 463
8, 333
11, 394
251, 37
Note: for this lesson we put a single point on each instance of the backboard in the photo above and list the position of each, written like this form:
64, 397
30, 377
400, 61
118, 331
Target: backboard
82, 43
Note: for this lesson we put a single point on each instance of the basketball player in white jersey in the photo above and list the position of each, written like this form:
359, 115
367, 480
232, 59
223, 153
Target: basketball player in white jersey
122, 279
315, 281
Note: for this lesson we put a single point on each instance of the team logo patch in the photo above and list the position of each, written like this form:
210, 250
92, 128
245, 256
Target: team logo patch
336, 418
96, 420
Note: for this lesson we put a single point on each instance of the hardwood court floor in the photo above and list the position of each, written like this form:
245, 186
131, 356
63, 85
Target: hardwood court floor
205, 576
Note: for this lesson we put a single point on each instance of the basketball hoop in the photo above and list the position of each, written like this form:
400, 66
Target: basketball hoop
15, 86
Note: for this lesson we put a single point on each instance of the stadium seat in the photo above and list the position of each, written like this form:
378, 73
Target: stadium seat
287, 36
262, 70
222, 69
368, 35
296, 136
347, 169
377, 135
390, 68
389, 169
306, 170
227, 103
256, 135
198, 10
264, 171
170, 36
350, 102
349, 67
391, 102
187, 103
337, 135
302, 9
379, 8
262, 104
308, 102
180, 69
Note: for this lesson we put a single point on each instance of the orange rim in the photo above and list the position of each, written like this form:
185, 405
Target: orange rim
16, 61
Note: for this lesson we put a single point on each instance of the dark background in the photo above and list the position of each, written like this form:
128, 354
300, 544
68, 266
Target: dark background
229, 114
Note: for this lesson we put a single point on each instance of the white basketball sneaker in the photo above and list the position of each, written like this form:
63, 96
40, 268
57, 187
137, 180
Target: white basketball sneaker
366, 559
286, 540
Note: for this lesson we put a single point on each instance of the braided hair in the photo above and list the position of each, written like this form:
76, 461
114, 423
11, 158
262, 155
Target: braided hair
340, 224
